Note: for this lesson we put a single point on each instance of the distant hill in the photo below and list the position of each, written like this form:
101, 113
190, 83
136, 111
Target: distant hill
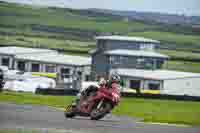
72, 31
154, 17
54, 27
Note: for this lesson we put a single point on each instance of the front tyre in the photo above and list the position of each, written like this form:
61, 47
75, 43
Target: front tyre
98, 113
69, 113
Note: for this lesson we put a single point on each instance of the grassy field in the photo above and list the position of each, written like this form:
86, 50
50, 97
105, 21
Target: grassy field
180, 55
29, 20
67, 29
53, 43
169, 37
172, 40
18, 131
185, 66
150, 110
66, 18
28, 98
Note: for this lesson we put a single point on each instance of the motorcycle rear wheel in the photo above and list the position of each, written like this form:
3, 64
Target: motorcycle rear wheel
69, 113
97, 114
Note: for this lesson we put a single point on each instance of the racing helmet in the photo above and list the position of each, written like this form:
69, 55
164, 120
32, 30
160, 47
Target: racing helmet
115, 78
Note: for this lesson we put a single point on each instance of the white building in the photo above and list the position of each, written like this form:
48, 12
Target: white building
64, 65
68, 68
160, 81
7, 54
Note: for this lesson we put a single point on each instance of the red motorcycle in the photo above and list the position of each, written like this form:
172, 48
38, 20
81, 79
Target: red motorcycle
99, 103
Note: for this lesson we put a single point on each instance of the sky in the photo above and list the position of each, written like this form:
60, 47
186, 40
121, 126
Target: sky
187, 7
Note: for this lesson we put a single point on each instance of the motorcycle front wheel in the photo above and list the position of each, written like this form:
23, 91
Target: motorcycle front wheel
98, 113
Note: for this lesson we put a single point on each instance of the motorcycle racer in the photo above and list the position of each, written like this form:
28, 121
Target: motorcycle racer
112, 83
96, 102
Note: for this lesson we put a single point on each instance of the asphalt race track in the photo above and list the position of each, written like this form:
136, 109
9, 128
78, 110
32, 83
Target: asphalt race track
49, 119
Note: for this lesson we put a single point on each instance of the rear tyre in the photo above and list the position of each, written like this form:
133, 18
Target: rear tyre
69, 113
97, 114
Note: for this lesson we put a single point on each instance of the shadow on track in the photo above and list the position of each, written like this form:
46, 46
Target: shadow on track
88, 119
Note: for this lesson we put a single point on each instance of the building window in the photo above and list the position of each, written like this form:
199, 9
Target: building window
123, 59
144, 63
115, 60
112, 59
65, 73
21, 65
135, 84
123, 83
35, 67
5, 61
87, 77
154, 85
101, 45
140, 60
50, 68
159, 64
149, 64
151, 46
140, 63
79, 73
145, 46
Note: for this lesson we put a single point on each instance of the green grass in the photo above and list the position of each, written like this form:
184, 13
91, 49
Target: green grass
42, 42
165, 111
24, 17
66, 18
17, 131
29, 98
181, 41
181, 54
185, 66
161, 110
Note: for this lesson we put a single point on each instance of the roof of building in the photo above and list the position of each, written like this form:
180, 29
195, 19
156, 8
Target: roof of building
56, 59
155, 74
22, 50
126, 38
137, 53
